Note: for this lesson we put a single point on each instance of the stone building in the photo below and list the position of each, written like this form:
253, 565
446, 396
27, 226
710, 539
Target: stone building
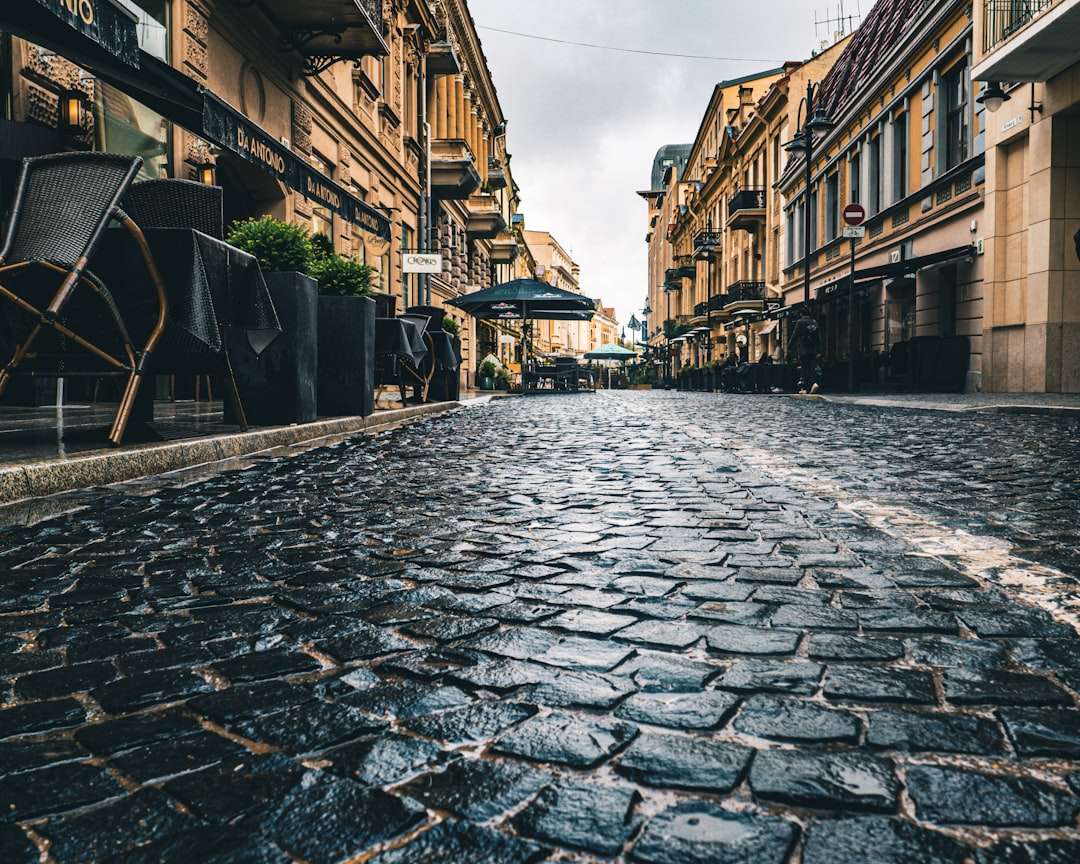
1027, 53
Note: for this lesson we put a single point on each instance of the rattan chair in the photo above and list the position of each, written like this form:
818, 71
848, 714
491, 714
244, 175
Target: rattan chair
174, 203
62, 320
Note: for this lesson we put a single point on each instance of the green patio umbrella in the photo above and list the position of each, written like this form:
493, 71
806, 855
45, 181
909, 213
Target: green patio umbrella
610, 351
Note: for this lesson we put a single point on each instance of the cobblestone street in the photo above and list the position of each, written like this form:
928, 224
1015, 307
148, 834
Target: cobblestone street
650, 627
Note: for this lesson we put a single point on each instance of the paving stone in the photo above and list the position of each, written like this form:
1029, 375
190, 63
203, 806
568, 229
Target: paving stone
679, 761
165, 758
915, 621
591, 621
208, 844
750, 614
307, 728
1056, 851
879, 684
1052, 732
580, 815
1000, 687
664, 608
459, 841
1016, 621
478, 790
700, 710
38, 717
842, 646
796, 720
569, 739
400, 699
581, 690
751, 640
815, 618
112, 831
450, 629
521, 643
785, 595
503, 675
828, 781
275, 663
382, 761
326, 819
428, 664
653, 671
246, 700
579, 652
1046, 653
772, 676
65, 681
225, 792
55, 789
946, 651
362, 643
149, 688
16, 847
933, 731
959, 797
879, 839
700, 832
524, 613
480, 721
661, 634
17, 756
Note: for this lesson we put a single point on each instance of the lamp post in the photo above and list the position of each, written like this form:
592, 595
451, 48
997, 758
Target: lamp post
803, 142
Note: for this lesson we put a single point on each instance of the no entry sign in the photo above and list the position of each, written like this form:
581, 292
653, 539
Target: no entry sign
853, 214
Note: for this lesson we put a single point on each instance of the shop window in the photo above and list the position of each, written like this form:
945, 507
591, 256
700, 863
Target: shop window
153, 25
122, 125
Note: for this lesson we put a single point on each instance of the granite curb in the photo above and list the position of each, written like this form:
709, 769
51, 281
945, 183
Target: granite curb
36, 479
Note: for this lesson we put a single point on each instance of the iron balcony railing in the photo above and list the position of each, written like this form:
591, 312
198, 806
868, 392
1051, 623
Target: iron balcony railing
745, 291
701, 309
717, 302
752, 198
706, 240
1004, 17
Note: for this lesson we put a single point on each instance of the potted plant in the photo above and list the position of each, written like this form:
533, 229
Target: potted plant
486, 375
279, 386
346, 332
502, 378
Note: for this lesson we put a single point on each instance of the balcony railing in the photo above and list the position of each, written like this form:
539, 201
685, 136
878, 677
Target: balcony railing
705, 241
744, 290
748, 199
327, 31
1004, 17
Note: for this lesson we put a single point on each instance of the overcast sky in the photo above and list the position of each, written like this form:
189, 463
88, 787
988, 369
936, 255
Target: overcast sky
584, 123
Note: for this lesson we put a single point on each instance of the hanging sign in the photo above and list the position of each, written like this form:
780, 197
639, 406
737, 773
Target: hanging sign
421, 262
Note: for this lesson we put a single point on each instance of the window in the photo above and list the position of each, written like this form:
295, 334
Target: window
814, 234
153, 25
854, 178
832, 206
957, 130
322, 221
873, 184
122, 125
900, 157
789, 250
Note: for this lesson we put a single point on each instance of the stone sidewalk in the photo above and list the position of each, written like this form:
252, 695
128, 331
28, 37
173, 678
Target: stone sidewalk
610, 627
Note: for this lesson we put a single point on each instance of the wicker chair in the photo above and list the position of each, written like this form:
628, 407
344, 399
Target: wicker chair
176, 203
60, 319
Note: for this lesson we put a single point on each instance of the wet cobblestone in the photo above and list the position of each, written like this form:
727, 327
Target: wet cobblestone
644, 627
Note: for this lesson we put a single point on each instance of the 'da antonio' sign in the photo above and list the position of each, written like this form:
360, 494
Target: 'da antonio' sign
112, 28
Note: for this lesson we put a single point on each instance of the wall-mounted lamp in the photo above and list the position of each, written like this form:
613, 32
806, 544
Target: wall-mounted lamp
1034, 106
74, 112
206, 172
992, 97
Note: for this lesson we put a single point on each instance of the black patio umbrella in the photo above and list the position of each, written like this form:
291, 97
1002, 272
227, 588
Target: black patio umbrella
525, 299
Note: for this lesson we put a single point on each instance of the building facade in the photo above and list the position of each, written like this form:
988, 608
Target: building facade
1028, 53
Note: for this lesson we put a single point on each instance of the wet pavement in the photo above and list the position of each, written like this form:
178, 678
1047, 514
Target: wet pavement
626, 626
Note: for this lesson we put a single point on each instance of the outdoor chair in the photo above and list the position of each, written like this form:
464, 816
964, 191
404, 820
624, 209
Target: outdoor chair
58, 318
175, 203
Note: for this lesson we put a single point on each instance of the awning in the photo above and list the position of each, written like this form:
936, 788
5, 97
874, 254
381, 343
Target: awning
94, 27
224, 125
912, 265
766, 328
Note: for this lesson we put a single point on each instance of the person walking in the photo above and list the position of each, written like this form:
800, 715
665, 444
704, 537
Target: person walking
805, 344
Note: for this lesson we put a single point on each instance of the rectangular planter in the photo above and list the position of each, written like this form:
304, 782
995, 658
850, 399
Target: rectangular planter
346, 356
279, 386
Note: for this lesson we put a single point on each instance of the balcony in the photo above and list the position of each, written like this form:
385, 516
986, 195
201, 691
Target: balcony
453, 169
705, 242
504, 248
746, 209
484, 217
686, 269
325, 31
1028, 40
496, 177
744, 292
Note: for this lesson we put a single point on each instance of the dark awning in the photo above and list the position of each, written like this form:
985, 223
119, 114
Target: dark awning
225, 126
89, 27
911, 265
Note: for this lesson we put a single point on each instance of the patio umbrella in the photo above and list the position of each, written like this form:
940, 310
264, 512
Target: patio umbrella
525, 299
610, 351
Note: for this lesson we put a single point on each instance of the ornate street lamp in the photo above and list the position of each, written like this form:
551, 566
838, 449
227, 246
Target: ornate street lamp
803, 142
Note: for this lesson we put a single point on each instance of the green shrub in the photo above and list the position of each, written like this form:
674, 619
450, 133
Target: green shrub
451, 326
502, 374
342, 277
487, 369
322, 247
278, 246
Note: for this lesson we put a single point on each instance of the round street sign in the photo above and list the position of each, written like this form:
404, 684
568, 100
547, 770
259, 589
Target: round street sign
853, 214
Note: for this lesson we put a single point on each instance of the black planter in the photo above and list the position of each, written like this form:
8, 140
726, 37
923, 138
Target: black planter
346, 356
279, 386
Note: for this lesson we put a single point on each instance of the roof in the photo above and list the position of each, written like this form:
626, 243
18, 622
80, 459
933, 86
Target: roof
878, 34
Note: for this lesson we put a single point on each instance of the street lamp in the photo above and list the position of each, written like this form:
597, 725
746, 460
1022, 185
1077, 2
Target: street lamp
803, 142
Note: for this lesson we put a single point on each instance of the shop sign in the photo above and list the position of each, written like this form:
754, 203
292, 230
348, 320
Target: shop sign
421, 262
112, 28
228, 128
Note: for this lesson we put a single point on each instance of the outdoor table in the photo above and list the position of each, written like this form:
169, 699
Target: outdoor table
443, 350
400, 338
209, 285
